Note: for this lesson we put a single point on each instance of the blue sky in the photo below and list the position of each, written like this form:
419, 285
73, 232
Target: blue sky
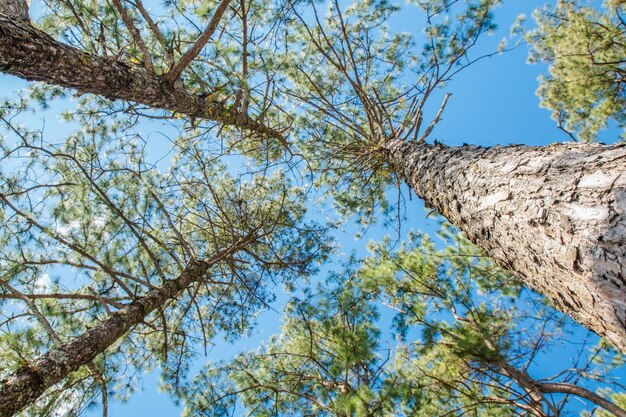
493, 102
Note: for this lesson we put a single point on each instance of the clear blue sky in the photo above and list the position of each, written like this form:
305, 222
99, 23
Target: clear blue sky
493, 102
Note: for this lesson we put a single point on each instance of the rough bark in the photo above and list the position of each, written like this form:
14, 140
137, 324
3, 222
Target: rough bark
29, 53
554, 216
15, 8
31, 380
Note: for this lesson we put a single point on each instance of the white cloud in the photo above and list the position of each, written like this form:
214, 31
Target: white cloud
43, 284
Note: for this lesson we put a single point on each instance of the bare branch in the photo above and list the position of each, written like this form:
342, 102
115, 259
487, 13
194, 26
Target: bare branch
435, 120
535, 387
174, 74
147, 60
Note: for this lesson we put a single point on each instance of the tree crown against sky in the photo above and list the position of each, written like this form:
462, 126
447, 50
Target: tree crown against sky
90, 226
333, 84
585, 87
465, 335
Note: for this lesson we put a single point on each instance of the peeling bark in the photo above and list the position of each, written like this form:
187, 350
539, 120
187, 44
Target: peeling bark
555, 216
31, 380
29, 53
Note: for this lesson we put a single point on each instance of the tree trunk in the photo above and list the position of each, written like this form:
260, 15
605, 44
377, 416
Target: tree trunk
29, 53
15, 8
32, 379
554, 216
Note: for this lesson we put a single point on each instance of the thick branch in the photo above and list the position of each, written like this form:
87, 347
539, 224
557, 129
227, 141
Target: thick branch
33, 55
583, 393
30, 381
555, 216
522, 378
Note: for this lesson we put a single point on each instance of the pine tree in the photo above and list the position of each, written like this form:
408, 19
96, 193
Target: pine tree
585, 47
554, 216
110, 262
461, 344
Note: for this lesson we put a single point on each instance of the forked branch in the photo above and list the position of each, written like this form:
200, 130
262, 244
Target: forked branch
174, 74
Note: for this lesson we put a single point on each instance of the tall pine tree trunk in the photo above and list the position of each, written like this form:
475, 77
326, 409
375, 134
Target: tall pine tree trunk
32, 379
555, 216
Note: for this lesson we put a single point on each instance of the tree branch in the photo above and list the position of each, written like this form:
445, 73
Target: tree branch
533, 385
563, 388
156, 31
35, 377
435, 120
145, 54
31, 54
174, 74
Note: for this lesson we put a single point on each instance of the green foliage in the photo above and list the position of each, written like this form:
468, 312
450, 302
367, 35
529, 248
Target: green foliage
235, 63
325, 362
585, 47
336, 77
357, 83
90, 225
456, 329
90, 222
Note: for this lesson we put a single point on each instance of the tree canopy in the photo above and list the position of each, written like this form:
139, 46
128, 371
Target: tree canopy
463, 342
585, 87
283, 122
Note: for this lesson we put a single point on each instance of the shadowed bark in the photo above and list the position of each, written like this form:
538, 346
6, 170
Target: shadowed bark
15, 8
555, 216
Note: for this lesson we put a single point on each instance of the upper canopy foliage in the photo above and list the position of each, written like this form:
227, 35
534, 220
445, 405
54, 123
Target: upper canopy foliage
91, 222
337, 79
90, 225
586, 50
463, 336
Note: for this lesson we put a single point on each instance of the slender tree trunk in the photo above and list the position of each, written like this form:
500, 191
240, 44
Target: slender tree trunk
554, 216
32, 379
29, 53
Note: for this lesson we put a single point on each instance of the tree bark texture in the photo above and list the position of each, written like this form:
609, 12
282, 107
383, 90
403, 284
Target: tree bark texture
29, 53
15, 8
32, 379
555, 216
